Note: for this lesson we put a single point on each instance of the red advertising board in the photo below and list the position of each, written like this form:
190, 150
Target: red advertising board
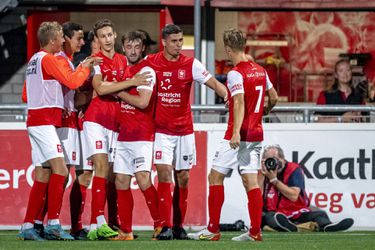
16, 178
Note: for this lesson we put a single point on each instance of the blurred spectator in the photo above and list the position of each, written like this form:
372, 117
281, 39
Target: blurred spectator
342, 92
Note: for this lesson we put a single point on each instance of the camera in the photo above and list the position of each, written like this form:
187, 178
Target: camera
272, 163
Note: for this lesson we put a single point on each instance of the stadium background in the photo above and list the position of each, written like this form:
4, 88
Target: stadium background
313, 33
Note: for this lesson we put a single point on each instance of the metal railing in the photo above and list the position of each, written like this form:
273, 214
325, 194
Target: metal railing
301, 112
218, 113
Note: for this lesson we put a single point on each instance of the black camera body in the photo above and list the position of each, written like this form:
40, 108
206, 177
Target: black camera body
272, 163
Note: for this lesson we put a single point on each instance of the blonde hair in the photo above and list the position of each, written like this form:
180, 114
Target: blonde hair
234, 39
48, 31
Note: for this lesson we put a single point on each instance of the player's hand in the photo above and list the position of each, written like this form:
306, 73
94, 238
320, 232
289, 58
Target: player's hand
66, 113
81, 115
142, 79
90, 62
235, 141
226, 101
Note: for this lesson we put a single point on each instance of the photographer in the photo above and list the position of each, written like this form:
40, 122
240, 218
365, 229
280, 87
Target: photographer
285, 201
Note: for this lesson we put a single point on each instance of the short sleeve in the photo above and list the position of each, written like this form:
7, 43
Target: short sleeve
97, 70
200, 73
296, 179
151, 81
269, 84
235, 83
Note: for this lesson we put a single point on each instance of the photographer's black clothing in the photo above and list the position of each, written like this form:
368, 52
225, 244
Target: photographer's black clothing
320, 217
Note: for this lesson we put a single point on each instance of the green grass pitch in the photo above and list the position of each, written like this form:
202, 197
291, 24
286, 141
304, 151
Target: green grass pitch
288, 241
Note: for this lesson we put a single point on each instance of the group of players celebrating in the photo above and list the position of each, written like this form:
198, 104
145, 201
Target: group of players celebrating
113, 116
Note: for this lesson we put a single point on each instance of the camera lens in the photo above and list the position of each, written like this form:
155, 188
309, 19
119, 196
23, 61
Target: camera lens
271, 164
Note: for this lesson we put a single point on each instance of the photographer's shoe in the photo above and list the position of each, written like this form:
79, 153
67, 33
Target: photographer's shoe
204, 235
247, 237
284, 223
339, 226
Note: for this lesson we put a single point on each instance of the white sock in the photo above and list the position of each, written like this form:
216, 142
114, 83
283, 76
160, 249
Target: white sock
38, 222
26, 226
101, 220
93, 227
53, 222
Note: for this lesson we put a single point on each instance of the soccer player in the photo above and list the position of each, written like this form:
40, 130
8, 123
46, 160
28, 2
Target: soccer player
240, 149
45, 76
135, 142
100, 125
84, 170
174, 147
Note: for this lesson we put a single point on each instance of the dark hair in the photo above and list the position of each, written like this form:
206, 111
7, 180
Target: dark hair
134, 35
90, 37
234, 39
69, 28
170, 29
149, 41
101, 24
335, 85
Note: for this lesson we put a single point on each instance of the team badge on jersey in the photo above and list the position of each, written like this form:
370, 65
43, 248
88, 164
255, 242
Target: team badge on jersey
99, 144
59, 148
158, 155
181, 74
74, 155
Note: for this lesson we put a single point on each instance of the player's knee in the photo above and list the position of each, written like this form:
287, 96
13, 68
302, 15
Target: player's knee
42, 175
122, 182
183, 179
164, 175
84, 178
215, 178
143, 180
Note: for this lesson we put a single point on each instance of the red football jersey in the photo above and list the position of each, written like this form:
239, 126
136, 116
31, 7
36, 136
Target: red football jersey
250, 79
174, 80
138, 124
105, 109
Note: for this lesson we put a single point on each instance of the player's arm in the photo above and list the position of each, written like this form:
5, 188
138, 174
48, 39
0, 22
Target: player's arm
235, 86
238, 115
103, 87
272, 96
218, 87
272, 100
140, 101
58, 71
202, 76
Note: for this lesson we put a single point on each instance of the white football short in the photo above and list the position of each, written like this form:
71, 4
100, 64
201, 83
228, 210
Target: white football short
45, 144
133, 157
84, 164
175, 150
246, 158
99, 140
69, 138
